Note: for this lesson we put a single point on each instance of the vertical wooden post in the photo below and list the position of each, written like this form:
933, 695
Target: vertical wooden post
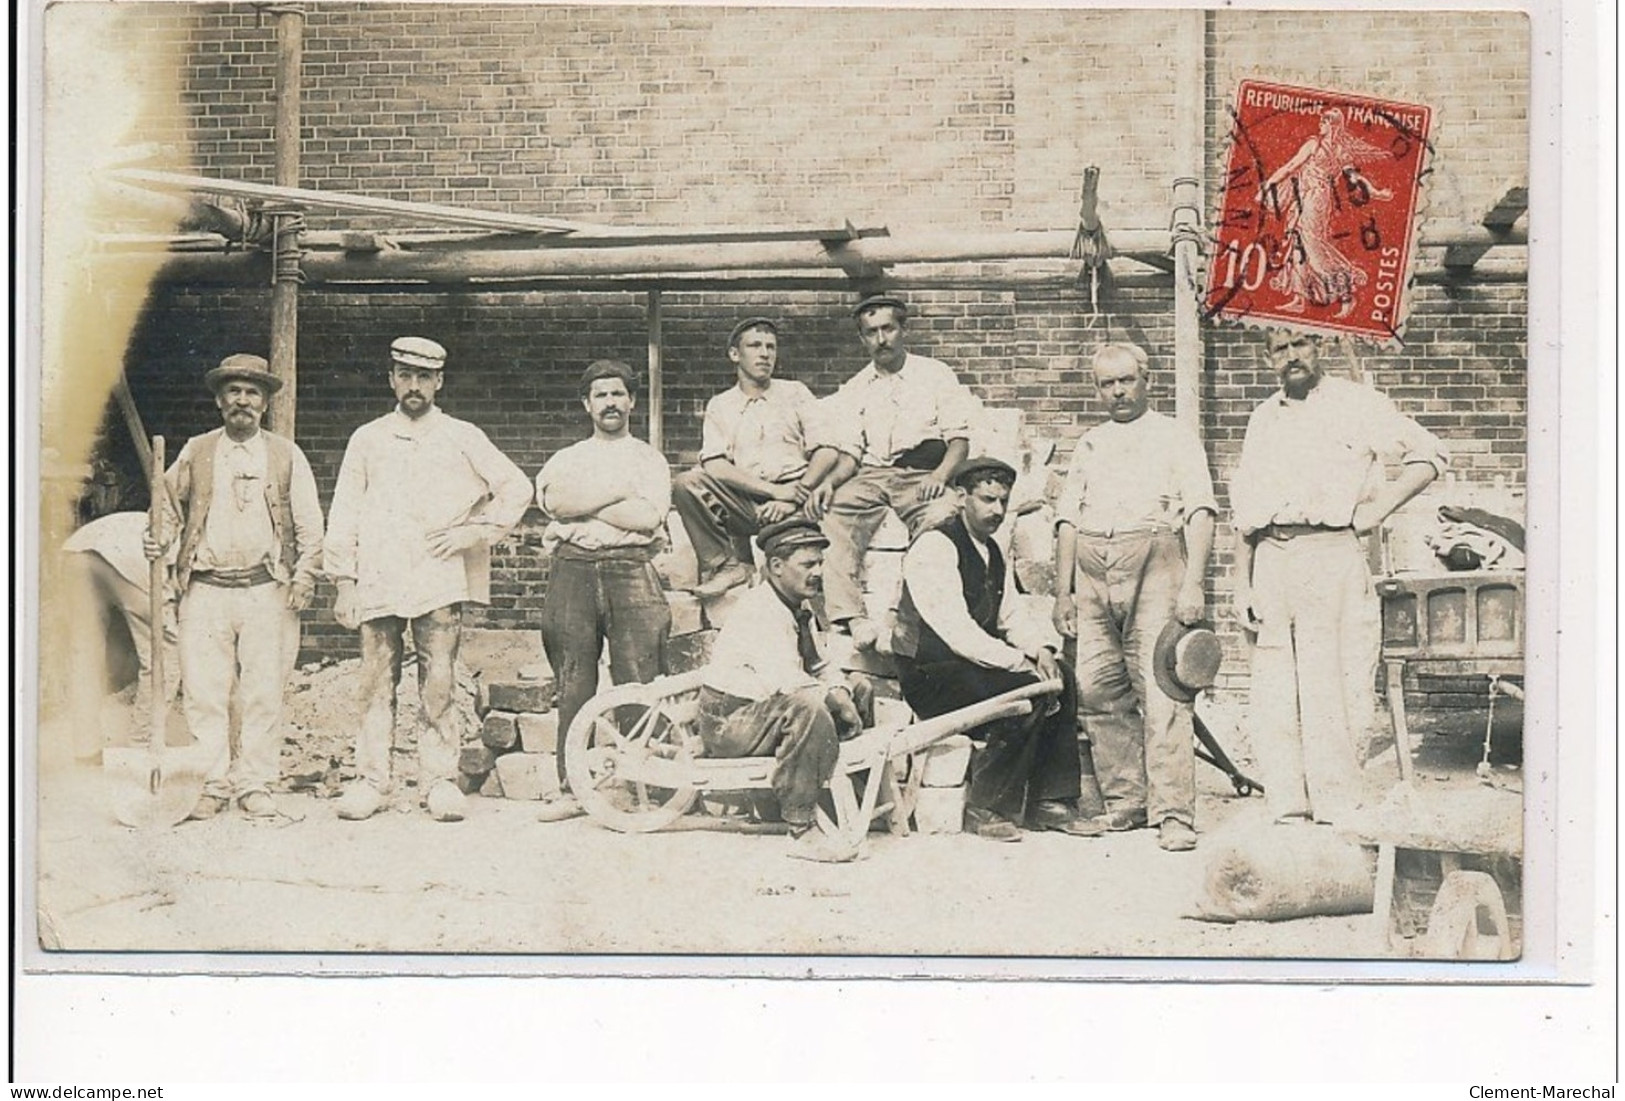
657, 383
290, 24
1190, 92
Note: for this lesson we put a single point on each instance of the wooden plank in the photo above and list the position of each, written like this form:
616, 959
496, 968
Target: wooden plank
1497, 223
301, 198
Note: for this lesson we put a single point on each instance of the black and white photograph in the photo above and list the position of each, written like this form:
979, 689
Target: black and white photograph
524, 480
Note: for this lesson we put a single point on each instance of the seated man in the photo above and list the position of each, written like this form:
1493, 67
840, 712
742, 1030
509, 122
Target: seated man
754, 447
955, 646
769, 692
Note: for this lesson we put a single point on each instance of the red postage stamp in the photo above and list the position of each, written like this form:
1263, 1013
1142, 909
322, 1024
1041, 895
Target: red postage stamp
1316, 227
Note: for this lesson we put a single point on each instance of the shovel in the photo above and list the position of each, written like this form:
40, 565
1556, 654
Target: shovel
151, 788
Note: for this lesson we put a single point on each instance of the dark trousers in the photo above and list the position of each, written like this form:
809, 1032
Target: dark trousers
609, 596
793, 727
1026, 759
719, 519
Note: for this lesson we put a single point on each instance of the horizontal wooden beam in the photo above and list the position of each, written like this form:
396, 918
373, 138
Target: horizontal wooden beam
204, 271
1498, 225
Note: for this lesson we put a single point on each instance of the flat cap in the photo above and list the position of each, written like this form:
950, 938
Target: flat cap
777, 540
419, 352
250, 368
752, 323
982, 464
608, 368
875, 301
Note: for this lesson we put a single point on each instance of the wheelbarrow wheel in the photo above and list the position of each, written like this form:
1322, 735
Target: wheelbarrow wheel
609, 744
1243, 788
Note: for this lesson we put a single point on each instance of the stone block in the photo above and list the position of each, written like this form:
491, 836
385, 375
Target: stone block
528, 775
686, 616
676, 564
476, 760
499, 730
940, 810
690, 651
492, 787
516, 695
944, 764
538, 733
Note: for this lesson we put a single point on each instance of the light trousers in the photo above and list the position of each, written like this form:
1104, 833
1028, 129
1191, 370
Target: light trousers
436, 635
244, 639
855, 514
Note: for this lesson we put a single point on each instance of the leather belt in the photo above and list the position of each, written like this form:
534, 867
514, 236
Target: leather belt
571, 553
235, 579
1285, 532
1133, 529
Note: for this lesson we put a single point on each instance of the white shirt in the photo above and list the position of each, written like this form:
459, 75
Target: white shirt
1128, 474
1312, 461
931, 572
767, 435
402, 479
643, 471
755, 653
237, 533
876, 416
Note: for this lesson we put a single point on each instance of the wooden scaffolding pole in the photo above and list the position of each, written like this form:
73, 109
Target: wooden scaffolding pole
1189, 139
290, 23
657, 382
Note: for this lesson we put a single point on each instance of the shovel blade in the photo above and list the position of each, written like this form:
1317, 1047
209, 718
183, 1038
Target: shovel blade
151, 793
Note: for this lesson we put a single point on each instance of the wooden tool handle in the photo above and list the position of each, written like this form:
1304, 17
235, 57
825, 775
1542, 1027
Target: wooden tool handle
156, 570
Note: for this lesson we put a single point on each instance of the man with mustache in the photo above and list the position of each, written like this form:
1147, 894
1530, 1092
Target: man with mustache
250, 550
754, 447
770, 692
606, 498
421, 496
1310, 483
903, 425
1134, 528
960, 641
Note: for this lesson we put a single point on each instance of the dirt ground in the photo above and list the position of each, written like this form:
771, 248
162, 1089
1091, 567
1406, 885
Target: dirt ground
502, 882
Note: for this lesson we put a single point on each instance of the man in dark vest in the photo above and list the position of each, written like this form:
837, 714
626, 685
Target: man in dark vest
250, 549
958, 642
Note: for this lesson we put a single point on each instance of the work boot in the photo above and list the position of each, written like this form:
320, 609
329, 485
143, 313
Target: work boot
560, 808
1120, 821
989, 826
360, 801
258, 804
207, 807
1175, 836
730, 575
446, 801
1053, 814
820, 847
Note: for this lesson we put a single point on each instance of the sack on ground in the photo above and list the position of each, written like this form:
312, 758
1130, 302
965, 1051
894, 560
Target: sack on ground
1259, 871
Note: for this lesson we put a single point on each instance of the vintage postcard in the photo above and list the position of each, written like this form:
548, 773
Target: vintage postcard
978, 488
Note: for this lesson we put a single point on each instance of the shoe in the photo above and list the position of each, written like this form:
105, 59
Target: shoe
258, 804
1053, 814
360, 801
865, 636
446, 802
560, 808
1121, 821
1299, 819
989, 826
1175, 836
821, 848
734, 573
207, 807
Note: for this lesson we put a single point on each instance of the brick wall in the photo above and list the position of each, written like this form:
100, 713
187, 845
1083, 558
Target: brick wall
956, 119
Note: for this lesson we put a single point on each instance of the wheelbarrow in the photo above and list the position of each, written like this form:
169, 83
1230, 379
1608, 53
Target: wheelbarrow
635, 761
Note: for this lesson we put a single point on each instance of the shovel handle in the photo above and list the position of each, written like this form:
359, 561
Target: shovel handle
155, 596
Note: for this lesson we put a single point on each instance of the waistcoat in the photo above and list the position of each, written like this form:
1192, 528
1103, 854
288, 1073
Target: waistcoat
983, 587
196, 493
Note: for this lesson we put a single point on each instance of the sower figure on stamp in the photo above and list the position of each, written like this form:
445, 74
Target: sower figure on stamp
1134, 529
1309, 484
769, 691
606, 498
902, 424
421, 497
958, 642
754, 446
250, 549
